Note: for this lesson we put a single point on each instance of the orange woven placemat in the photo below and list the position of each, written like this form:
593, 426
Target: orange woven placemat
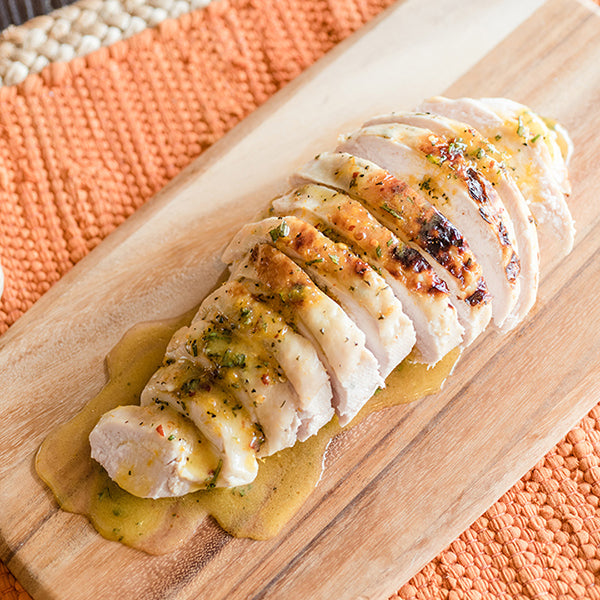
83, 145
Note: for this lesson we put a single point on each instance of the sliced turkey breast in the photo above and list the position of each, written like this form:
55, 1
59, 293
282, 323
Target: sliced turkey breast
250, 373
458, 191
297, 356
485, 158
153, 452
247, 371
523, 116
563, 139
529, 163
363, 294
353, 370
424, 296
409, 214
194, 392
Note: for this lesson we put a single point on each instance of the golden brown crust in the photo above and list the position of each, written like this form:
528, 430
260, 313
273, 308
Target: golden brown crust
374, 242
448, 154
407, 212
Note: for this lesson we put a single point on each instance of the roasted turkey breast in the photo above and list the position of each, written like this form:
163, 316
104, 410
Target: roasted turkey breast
401, 244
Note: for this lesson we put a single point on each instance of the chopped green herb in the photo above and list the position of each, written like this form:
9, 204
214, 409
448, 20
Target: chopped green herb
425, 184
535, 138
334, 259
456, 146
245, 315
436, 160
282, 230
297, 293
216, 335
378, 251
314, 261
190, 387
392, 212
480, 153
170, 438
213, 480
233, 359
520, 128
497, 137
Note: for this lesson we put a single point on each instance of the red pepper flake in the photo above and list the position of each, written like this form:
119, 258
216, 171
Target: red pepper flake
265, 379
160, 430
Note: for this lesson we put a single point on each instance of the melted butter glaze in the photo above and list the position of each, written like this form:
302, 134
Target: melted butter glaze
258, 510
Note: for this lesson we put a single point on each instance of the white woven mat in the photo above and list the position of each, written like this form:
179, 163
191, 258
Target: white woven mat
79, 29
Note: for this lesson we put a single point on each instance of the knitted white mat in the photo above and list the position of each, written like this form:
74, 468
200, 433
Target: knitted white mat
79, 29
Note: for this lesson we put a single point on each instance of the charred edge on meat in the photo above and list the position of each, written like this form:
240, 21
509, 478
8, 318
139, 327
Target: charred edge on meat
411, 260
513, 268
480, 295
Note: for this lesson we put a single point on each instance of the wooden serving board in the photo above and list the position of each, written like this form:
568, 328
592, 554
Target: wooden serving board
407, 481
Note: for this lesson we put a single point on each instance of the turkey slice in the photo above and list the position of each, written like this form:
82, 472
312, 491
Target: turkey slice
363, 294
409, 214
193, 392
353, 370
521, 115
247, 371
458, 191
423, 295
296, 355
488, 160
153, 452
529, 163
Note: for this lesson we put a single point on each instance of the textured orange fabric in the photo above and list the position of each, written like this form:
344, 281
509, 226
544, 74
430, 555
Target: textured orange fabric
83, 145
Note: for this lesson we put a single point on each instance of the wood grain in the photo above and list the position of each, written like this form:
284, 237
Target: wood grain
407, 481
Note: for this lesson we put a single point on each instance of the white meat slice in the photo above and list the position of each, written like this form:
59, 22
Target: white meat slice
424, 296
486, 159
409, 214
521, 115
363, 294
297, 356
153, 453
563, 139
224, 422
458, 191
529, 164
353, 370
245, 370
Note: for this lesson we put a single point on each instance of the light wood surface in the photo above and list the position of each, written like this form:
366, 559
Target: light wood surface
407, 481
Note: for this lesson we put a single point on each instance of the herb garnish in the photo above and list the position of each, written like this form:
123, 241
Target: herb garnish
233, 359
282, 230
392, 212
520, 129
212, 482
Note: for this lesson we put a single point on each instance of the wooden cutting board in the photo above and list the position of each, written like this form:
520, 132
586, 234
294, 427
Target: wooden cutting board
407, 481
